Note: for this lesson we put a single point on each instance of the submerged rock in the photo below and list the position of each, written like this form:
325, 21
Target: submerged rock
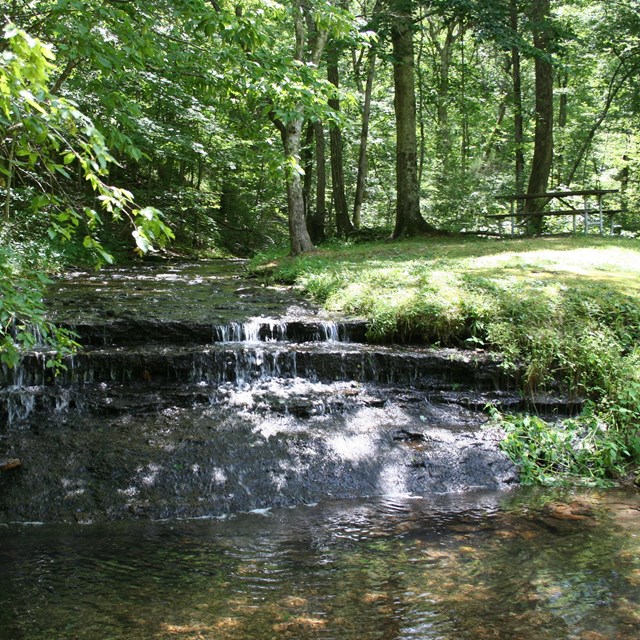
8, 465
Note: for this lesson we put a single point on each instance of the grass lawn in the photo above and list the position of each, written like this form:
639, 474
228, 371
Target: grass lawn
455, 290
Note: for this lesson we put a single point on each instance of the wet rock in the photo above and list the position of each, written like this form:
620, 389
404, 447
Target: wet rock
200, 395
9, 464
407, 436
228, 457
591, 635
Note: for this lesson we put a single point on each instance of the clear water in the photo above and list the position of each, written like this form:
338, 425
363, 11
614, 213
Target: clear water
518, 565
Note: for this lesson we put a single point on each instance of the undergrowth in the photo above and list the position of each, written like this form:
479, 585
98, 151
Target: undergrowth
565, 313
23, 322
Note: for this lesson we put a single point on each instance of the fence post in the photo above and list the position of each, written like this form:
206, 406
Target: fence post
600, 210
586, 216
513, 219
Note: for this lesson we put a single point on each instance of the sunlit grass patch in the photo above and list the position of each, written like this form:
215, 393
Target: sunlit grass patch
614, 263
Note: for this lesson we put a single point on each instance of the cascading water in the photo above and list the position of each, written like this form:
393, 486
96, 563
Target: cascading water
201, 394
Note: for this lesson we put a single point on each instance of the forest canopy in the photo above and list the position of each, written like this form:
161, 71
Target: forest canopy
252, 122
229, 128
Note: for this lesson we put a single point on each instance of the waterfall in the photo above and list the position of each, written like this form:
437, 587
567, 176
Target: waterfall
190, 376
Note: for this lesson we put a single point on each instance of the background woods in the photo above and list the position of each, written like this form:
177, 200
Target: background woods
429, 109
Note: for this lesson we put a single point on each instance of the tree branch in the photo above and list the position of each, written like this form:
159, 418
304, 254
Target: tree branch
612, 91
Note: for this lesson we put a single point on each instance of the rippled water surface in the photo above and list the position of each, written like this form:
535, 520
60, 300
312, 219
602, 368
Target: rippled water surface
518, 565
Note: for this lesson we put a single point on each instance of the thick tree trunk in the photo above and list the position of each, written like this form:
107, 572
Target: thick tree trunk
409, 221
543, 144
316, 221
343, 222
364, 139
298, 234
420, 107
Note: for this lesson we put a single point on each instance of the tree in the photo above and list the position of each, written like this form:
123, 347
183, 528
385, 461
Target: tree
343, 221
316, 220
361, 176
42, 136
543, 143
310, 41
409, 220
518, 119
185, 94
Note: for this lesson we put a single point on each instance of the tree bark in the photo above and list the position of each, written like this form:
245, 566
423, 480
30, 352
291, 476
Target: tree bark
291, 139
307, 183
543, 141
291, 131
317, 220
409, 221
518, 136
464, 150
361, 178
443, 66
561, 126
343, 222
9, 179
494, 138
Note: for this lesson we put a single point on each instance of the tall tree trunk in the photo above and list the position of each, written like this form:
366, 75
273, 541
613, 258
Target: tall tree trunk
307, 183
494, 138
316, 221
9, 178
420, 113
466, 136
292, 141
444, 50
543, 142
361, 178
343, 222
518, 122
306, 32
409, 221
562, 125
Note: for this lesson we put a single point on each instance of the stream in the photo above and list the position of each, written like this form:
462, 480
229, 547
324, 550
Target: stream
223, 460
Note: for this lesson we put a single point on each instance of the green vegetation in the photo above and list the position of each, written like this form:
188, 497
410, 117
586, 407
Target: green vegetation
564, 312
23, 322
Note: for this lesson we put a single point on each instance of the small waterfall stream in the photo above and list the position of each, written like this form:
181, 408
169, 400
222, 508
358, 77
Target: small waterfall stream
201, 393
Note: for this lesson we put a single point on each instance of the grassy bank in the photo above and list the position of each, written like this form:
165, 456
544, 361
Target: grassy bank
564, 311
